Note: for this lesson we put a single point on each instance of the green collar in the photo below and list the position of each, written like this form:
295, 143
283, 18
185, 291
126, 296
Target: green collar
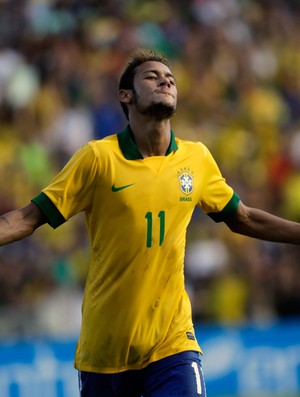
129, 148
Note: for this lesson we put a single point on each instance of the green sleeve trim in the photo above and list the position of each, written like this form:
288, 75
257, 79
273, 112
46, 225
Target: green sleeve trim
51, 213
229, 209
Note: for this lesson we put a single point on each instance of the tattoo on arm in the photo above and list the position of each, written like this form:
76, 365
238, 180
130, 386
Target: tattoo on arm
2, 218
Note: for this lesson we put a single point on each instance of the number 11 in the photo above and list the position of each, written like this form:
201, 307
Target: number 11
149, 218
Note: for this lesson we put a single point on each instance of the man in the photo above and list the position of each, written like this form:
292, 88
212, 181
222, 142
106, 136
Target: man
138, 190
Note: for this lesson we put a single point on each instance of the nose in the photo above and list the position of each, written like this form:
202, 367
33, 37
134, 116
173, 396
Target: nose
164, 81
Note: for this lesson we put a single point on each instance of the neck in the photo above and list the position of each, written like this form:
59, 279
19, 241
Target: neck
152, 138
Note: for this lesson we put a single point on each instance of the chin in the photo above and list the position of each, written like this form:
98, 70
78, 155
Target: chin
161, 110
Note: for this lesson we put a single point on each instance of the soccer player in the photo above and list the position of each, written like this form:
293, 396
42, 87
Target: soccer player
138, 190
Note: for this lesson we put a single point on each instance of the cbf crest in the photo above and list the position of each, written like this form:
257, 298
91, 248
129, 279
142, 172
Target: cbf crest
186, 181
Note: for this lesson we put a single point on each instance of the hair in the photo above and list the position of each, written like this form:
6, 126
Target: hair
138, 58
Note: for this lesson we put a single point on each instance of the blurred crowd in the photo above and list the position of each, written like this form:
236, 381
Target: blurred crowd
237, 64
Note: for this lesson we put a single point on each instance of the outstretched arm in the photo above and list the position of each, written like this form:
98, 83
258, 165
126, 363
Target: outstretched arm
262, 225
20, 223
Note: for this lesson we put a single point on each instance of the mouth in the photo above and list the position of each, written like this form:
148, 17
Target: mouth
164, 92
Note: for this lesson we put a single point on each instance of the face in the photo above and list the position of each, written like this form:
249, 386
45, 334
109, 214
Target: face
155, 92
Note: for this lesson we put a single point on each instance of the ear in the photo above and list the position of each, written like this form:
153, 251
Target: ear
125, 96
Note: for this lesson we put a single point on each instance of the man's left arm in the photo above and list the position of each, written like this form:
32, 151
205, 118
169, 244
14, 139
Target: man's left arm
262, 225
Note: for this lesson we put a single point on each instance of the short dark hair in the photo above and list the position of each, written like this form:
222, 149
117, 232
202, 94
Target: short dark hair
138, 58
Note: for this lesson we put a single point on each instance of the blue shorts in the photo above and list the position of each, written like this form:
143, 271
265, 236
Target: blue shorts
179, 375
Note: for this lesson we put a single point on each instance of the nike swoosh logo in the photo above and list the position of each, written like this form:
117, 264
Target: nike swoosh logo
117, 189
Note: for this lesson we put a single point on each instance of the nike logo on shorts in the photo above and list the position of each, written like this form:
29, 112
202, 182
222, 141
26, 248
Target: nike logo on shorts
117, 189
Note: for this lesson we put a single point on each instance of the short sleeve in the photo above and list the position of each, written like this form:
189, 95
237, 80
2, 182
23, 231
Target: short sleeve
217, 198
72, 190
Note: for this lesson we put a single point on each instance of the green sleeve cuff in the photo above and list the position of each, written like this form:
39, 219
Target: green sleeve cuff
53, 216
229, 209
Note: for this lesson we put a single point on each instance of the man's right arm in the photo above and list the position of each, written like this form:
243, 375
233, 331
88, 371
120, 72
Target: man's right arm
16, 225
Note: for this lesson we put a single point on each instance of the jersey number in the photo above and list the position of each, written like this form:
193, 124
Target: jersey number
162, 218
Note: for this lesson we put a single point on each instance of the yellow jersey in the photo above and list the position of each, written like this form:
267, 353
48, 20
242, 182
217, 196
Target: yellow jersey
135, 308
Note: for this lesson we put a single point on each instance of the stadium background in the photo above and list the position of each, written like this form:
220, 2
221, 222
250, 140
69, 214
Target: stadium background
237, 64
